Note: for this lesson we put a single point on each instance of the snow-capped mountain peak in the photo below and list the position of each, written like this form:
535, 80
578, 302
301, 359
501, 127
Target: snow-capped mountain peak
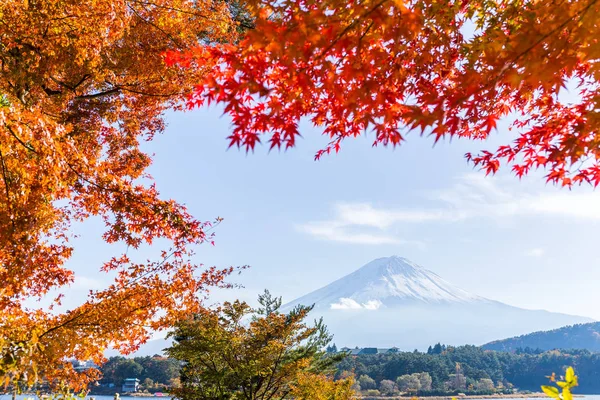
386, 282
394, 302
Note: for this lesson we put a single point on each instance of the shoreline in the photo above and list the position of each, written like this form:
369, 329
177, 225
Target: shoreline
491, 396
537, 395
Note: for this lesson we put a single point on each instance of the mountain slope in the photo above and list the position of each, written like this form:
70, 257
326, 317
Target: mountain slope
394, 302
580, 336
389, 281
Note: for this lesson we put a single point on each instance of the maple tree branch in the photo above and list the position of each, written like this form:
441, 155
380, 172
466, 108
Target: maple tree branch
350, 27
70, 16
51, 92
83, 79
153, 94
63, 324
493, 82
168, 35
581, 13
151, 271
80, 175
149, 3
13, 134
70, 87
365, 33
8, 202
73, 320
92, 307
99, 94
119, 89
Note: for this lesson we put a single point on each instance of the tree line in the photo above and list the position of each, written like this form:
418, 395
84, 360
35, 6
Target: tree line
469, 369
439, 371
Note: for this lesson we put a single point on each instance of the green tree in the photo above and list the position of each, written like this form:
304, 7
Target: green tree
485, 385
332, 348
425, 381
387, 387
437, 349
366, 382
160, 369
237, 352
148, 383
128, 368
117, 369
409, 383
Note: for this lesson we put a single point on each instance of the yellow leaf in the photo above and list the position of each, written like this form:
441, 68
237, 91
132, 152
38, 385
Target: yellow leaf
570, 375
551, 391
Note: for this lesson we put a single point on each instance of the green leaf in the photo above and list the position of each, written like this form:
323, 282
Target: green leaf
551, 391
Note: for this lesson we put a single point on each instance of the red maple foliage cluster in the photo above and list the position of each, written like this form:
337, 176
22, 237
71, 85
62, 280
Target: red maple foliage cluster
444, 68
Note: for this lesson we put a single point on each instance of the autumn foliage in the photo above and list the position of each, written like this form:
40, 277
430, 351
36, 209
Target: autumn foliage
444, 68
83, 82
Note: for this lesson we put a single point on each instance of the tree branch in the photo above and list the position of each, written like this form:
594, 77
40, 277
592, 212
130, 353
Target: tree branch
99, 94
4, 176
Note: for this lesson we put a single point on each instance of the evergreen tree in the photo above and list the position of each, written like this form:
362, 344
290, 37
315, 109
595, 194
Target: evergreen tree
227, 358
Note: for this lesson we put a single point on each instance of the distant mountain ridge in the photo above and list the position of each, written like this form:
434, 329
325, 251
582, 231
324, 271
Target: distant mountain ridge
393, 302
579, 336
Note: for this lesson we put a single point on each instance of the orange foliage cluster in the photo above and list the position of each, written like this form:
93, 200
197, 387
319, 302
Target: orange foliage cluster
83, 82
449, 68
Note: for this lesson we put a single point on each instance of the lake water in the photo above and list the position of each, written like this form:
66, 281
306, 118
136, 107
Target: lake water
98, 397
8, 397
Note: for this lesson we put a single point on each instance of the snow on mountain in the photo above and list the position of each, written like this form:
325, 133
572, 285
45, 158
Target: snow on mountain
394, 302
387, 282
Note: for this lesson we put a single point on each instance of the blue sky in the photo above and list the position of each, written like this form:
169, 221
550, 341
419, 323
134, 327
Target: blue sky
301, 224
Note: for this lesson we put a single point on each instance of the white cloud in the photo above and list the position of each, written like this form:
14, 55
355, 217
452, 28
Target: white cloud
350, 304
365, 215
475, 195
339, 232
372, 305
537, 252
471, 196
346, 304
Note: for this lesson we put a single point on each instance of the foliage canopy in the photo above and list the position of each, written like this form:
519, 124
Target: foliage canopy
82, 84
446, 68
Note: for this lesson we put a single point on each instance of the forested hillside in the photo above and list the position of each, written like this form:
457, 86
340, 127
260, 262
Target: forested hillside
465, 368
580, 336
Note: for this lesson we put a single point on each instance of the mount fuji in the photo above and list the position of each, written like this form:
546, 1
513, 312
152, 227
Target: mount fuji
394, 302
